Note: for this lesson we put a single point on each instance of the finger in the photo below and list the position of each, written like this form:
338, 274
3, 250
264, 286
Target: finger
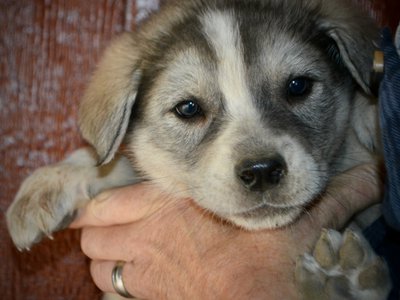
142, 276
346, 195
110, 243
118, 241
101, 273
120, 206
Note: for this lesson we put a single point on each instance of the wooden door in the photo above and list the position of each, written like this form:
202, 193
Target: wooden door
48, 49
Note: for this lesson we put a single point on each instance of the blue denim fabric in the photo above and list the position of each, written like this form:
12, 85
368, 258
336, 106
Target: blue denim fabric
389, 100
384, 234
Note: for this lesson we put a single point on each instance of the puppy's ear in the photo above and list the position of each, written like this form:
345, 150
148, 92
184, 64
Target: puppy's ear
354, 35
107, 104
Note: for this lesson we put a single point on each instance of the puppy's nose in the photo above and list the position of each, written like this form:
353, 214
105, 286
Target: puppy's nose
260, 175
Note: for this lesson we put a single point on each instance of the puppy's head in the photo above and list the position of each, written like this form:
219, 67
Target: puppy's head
243, 106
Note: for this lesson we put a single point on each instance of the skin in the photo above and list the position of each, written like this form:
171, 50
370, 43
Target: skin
176, 250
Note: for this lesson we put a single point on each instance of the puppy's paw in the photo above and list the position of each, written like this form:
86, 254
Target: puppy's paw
48, 199
342, 266
44, 203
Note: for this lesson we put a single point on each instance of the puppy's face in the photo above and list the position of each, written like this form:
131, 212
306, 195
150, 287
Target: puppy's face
244, 111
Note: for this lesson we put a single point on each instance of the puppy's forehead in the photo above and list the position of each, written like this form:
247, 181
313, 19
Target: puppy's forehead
221, 29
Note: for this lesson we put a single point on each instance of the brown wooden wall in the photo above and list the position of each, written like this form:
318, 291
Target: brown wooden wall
48, 49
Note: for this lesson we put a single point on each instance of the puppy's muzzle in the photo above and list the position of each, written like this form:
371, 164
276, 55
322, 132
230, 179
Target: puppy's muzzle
261, 175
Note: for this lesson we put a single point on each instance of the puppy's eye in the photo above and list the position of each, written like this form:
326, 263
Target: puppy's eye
188, 109
299, 87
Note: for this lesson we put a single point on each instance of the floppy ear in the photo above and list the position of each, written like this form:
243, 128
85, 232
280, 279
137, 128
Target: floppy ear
349, 36
354, 35
356, 56
107, 104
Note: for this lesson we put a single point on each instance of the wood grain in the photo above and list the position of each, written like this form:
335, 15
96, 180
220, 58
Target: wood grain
48, 49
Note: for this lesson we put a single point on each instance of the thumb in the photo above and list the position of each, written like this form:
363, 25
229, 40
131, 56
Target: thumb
120, 206
346, 195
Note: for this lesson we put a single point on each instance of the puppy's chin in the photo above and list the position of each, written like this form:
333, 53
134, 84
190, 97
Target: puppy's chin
266, 217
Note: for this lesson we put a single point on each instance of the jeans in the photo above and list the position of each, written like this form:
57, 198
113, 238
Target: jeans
384, 234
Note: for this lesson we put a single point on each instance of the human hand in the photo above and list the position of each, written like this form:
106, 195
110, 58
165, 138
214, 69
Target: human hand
176, 250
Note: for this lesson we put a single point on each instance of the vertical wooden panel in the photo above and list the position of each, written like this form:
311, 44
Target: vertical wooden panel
48, 49
385, 12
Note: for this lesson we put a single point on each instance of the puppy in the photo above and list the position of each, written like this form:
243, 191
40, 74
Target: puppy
248, 107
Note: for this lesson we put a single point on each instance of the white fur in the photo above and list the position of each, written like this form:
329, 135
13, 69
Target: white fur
223, 34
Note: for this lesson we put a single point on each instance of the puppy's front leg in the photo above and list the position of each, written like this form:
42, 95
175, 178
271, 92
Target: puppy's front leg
48, 199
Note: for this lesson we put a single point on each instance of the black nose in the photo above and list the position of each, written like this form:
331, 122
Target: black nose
260, 175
